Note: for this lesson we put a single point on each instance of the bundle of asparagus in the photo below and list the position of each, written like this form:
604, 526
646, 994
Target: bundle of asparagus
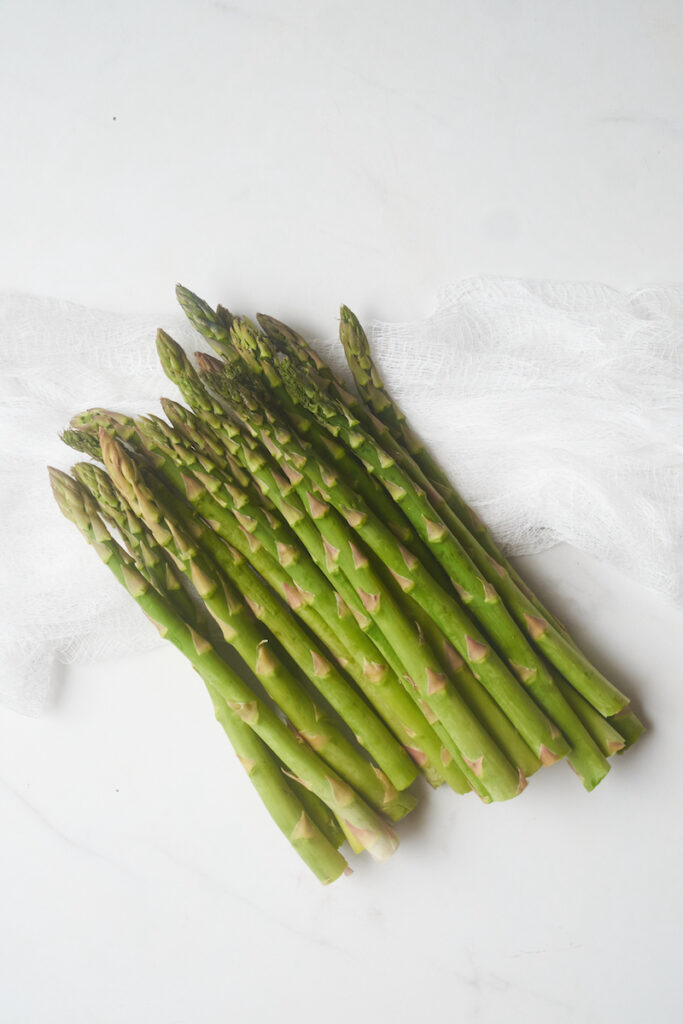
287, 526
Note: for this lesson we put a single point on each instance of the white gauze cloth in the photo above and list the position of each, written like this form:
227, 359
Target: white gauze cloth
556, 408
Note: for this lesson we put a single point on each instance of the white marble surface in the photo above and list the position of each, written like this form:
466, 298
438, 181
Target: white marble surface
298, 155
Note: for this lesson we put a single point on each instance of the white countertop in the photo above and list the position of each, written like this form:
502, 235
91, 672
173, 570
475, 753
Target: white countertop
291, 157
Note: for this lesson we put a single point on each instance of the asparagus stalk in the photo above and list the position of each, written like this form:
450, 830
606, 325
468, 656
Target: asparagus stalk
251, 642
629, 727
178, 368
357, 350
263, 541
605, 736
457, 772
259, 360
503, 787
373, 391
433, 742
248, 717
222, 384
151, 562
585, 756
400, 770
305, 473
423, 739
331, 827
484, 707
475, 588
297, 812
213, 374
239, 342
419, 661
545, 630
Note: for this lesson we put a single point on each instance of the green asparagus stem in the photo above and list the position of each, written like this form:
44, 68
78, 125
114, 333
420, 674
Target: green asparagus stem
178, 368
629, 727
298, 813
541, 735
505, 780
151, 561
259, 360
524, 756
452, 766
371, 388
439, 747
422, 738
330, 826
599, 728
241, 343
262, 539
475, 588
580, 737
545, 631
370, 731
251, 641
249, 718
484, 707
422, 667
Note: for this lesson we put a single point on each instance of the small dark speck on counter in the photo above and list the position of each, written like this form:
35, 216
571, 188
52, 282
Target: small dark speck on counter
113, 118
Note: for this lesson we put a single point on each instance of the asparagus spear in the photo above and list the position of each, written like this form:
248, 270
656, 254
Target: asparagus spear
484, 554
488, 712
233, 701
369, 729
388, 418
586, 758
504, 780
265, 541
213, 374
251, 641
475, 588
251, 345
453, 766
629, 727
239, 342
605, 736
422, 740
373, 391
284, 446
419, 661
484, 707
180, 371
151, 562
